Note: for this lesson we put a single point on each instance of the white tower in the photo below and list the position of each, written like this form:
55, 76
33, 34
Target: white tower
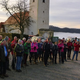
40, 15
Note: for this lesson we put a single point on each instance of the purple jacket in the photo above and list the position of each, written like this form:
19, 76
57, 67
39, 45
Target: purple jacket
61, 47
34, 47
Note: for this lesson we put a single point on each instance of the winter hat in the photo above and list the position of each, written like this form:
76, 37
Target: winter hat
19, 40
6, 38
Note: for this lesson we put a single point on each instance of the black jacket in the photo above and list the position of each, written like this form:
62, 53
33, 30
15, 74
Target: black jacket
47, 47
19, 50
2, 54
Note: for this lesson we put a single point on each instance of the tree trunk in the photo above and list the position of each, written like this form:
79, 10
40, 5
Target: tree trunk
21, 35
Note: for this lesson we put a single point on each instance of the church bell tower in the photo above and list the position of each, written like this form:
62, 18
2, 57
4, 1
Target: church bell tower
39, 12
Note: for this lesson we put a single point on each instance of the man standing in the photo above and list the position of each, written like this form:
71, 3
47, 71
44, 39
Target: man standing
69, 44
76, 49
46, 52
13, 43
3, 59
40, 48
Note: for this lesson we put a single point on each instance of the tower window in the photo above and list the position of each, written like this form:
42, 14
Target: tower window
43, 21
33, 0
43, 11
43, 1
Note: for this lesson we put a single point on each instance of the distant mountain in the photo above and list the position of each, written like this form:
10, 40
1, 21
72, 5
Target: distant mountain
57, 29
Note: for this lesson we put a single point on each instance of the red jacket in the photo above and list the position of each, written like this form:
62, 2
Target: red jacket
76, 47
69, 44
13, 45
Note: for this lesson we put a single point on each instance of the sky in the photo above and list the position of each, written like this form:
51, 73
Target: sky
63, 13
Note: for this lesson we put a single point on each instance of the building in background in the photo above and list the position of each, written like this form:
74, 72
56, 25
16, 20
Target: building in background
2, 29
39, 13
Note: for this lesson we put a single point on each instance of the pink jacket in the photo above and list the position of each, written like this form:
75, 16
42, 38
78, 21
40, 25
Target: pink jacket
61, 47
34, 47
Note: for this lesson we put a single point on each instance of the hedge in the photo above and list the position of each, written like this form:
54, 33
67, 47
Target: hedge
11, 35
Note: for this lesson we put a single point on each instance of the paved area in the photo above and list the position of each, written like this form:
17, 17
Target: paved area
70, 70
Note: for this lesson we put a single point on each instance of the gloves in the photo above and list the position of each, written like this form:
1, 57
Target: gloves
34, 48
60, 47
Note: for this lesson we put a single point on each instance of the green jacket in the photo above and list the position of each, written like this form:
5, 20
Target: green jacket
27, 48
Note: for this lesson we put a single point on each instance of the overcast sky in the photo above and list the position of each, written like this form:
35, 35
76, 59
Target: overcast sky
63, 13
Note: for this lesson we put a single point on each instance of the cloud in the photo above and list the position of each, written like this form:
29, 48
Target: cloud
62, 13
65, 11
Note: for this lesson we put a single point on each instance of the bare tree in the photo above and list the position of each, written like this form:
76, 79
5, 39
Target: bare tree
20, 12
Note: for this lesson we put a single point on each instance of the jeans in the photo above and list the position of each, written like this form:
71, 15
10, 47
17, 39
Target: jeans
18, 63
75, 52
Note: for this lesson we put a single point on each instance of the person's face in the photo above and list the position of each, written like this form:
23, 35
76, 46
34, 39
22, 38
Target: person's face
20, 42
28, 41
55, 43
69, 40
60, 42
39, 40
0, 37
24, 40
34, 41
15, 38
65, 42
47, 40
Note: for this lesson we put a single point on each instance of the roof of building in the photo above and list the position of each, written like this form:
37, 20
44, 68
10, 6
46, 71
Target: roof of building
12, 20
1, 24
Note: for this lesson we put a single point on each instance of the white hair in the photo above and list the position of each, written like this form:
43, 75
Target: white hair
19, 40
15, 37
24, 38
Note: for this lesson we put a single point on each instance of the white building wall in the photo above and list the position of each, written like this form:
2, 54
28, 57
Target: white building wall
14, 29
40, 15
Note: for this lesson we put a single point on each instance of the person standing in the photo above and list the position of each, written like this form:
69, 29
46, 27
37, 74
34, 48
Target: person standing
27, 48
69, 44
3, 59
40, 47
19, 52
13, 44
76, 49
55, 49
46, 52
65, 50
23, 42
33, 52
61, 48
51, 45
9, 50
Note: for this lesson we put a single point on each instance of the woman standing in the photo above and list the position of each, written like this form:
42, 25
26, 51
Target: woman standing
61, 48
27, 48
19, 52
33, 52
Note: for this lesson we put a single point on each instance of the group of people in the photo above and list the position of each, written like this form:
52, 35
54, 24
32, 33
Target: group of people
25, 52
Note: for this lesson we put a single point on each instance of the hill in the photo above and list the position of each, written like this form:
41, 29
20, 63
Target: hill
57, 29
